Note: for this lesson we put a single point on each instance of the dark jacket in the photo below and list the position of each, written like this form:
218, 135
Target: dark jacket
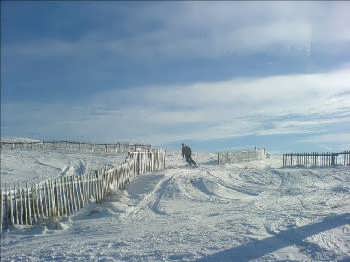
187, 151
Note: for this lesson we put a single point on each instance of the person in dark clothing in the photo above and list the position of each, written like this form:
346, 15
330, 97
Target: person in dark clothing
183, 150
186, 150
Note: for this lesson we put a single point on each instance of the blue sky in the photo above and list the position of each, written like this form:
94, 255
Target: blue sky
215, 75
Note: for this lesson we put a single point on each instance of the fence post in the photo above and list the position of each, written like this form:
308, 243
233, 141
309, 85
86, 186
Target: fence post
68, 195
53, 198
15, 190
64, 195
25, 207
164, 159
29, 202
60, 190
22, 206
34, 204
37, 192
11, 207
5, 205
81, 199
74, 198
1, 210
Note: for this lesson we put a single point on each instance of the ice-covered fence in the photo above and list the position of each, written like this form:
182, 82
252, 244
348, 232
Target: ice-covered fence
315, 159
65, 195
241, 156
72, 146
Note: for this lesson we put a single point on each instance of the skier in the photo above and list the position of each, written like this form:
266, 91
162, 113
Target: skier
186, 150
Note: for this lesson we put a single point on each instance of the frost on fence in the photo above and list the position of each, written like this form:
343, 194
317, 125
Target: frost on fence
242, 156
316, 159
65, 195
72, 146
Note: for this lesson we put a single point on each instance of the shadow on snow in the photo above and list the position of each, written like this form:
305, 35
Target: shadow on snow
259, 248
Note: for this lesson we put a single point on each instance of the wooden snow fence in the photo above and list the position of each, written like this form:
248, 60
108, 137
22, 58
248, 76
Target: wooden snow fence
72, 146
241, 156
65, 195
315, 159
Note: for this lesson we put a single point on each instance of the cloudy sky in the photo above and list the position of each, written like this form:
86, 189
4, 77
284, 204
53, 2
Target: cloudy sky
217, 75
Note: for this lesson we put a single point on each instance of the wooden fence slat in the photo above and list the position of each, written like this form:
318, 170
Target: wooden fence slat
38, 203
77, 189
1, 210
41, 204
74, 191
21, 201
83, 179
314, 159
95, 188
54, 196
11, 207
80, 190
4, 210
64, 208
48, 199
26, 219
74, 206
65, 195
70, 195
16, 204
59, 196
34, 204
29, 202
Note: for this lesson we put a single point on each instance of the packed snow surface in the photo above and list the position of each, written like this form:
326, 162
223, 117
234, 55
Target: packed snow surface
252, 211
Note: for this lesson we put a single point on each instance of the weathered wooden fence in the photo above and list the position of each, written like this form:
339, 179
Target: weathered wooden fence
65, 195
315, 159
72, 146
241, 156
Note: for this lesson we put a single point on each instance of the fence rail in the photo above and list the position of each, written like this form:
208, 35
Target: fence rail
72, 146
315, 159
65, 195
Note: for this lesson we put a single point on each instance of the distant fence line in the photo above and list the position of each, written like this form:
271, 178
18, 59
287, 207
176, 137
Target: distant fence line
72, 146
65, 195
242, 156
314, 159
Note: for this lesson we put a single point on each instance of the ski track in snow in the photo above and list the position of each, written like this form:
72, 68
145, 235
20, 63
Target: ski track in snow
252, 211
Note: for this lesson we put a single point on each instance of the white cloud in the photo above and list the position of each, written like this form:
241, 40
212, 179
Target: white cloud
210, 30
260, 106
339, 138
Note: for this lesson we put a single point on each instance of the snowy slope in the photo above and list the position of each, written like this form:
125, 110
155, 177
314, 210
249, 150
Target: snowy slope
21, 166
250, 211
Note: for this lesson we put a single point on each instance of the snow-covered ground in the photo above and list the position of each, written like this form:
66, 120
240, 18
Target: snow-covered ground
235, 212
30, 166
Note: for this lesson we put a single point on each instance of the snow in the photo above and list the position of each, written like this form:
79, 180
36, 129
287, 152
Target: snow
242, 155
31, 166
253, 211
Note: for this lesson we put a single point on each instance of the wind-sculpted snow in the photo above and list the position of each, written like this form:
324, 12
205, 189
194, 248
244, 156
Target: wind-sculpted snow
30, 166
252, 211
